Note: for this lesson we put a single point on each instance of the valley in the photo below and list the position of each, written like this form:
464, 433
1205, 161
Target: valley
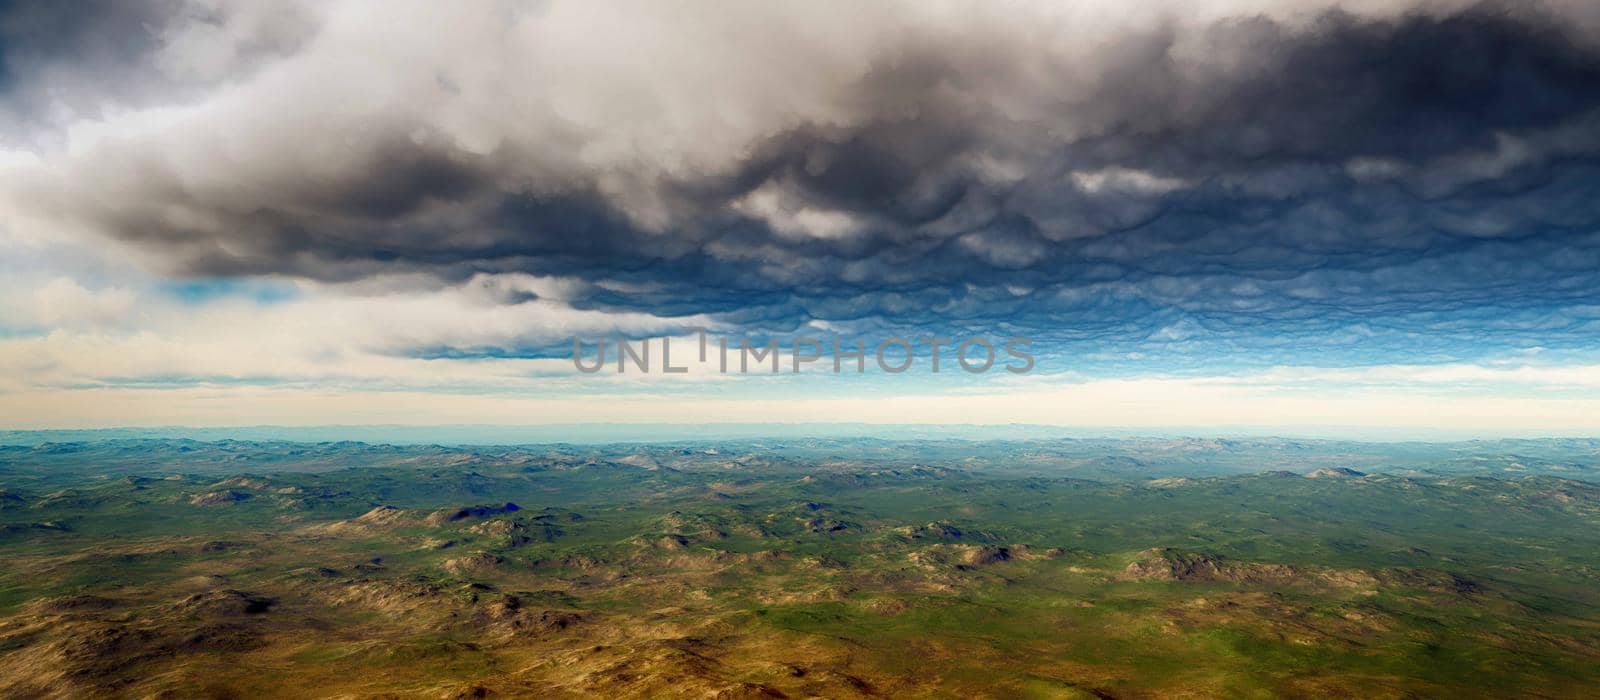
831, 569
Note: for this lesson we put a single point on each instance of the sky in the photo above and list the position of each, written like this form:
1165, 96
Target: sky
1290, 215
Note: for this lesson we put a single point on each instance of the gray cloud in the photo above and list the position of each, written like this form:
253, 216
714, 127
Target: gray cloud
1244, 176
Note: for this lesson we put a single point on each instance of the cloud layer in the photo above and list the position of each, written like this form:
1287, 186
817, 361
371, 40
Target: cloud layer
1217, 182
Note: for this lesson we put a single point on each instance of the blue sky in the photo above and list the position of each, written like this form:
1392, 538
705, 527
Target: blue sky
1223, 213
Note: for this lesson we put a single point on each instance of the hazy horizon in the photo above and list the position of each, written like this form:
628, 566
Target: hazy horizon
608, 433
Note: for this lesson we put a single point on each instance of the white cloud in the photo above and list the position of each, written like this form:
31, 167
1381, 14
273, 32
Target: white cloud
1127, 180
790, 215
327, 334
64, 302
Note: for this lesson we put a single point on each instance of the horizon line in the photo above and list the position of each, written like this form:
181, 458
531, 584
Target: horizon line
660, 432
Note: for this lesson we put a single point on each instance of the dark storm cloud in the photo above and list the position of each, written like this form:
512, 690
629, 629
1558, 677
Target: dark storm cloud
62, 61
1250, 180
